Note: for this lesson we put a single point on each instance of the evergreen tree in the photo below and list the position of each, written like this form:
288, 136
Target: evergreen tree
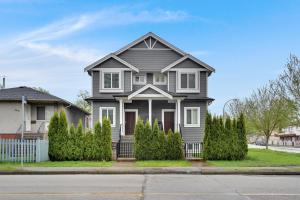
98, 141
207, 137
162, 145
242, 139
106, 140
53, 137
155, 142
138, 139
79, 141
63, 136
147, 142
71, 143
228, 140
177, 153
169, 145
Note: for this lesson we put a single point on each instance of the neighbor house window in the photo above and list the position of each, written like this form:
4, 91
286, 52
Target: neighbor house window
159, 79
111, 80
139, 80
192, 117
109, 113
40, 113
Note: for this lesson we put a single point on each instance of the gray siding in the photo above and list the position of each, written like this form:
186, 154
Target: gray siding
127, 81
193, 134
188, 63
150, 59
115, 130
172, 81
142, 107
111, 63
157, 107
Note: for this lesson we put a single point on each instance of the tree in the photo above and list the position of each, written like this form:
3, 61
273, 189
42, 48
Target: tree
41, 90
81, 102
53, 137
63, 136
106, 140
207, 136
267, 108
138, 139
242, 139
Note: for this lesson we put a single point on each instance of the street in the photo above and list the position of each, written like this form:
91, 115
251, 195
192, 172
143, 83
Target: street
214, 187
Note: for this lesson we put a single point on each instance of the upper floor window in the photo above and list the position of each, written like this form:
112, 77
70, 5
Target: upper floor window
111, 80
40, 113
139, 79
159, 79
188, 82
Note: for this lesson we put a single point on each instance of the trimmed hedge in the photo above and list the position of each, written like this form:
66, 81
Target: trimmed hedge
76, 143
154, 144
225, 141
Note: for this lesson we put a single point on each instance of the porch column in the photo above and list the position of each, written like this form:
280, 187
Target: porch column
178, 114
150, 111
121, 116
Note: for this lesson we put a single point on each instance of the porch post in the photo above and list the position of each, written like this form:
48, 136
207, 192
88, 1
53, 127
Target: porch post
150, 111
179, 114
121, 116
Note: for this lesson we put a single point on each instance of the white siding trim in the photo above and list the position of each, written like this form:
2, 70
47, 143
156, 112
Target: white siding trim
114, 115
187, 90
185, 117
152, 87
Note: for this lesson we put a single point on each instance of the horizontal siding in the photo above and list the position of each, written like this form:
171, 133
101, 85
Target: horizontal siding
188, 63
111, 63
193, 134
142, 107
115, 130
127, 81
150, 59
172, 81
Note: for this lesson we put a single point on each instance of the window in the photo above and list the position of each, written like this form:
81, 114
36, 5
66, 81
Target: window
40, 113
191, 117
139, 80
159, 79
108, 112
188, 80
111, 80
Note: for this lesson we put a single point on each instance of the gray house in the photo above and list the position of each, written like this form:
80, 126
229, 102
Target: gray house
39, 109
151, 79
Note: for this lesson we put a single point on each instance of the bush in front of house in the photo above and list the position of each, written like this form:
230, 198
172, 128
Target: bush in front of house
154, 144
225, 141
76, 143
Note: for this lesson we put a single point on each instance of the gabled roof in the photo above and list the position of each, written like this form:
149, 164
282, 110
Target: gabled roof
32, 95
150, 34
149, 86
108, 57
188, 56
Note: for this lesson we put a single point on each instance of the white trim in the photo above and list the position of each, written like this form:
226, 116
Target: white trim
152, 87
110, 90
187, 70
108, 57
185, 117
140, 83
168, 81
121, 106
114, 115
150, 111
92, 114
188, 56
159, 83
131, 82
163, 117
187, 90
178, 114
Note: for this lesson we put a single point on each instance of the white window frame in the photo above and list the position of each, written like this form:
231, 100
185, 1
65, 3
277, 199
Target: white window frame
158, 82
188, 90
140, 83
104, 71
114, 114
185, 117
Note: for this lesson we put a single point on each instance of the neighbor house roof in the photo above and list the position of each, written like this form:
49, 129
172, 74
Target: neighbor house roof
32, 95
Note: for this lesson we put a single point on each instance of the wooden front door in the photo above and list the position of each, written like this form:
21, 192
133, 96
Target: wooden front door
130, 119
168, 121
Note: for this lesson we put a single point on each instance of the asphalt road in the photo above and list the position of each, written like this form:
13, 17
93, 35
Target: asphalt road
175, 187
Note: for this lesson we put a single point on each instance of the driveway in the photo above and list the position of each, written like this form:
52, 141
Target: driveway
275, 148
149, 187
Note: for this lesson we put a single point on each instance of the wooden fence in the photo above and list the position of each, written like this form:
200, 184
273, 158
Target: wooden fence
33, 150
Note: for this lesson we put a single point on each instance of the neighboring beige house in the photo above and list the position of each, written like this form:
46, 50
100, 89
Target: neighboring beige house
38, 111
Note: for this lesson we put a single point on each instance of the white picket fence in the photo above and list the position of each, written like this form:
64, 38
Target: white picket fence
33, 150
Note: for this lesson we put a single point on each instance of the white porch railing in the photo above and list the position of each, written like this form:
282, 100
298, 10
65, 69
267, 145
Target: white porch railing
33, 150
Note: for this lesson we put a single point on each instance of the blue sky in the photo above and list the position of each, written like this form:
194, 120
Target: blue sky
48, 43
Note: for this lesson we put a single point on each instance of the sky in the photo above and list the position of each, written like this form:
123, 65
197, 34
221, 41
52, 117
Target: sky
48, 43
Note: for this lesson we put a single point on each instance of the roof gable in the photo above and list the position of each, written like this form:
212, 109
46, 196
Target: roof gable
147, 90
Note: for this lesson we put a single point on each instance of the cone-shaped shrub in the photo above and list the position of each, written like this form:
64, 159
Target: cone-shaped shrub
169, 145
242, 139
79, 142
98, 141
177, 153
148, 155
138, 139
90, 151
155, 142
53, 137
207, 137
63, 136
106, 140
71, 144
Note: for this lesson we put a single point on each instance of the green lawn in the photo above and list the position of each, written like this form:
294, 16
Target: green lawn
163, 163
12, 166
262, 158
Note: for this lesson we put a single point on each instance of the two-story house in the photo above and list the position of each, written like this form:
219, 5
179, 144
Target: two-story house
151, 79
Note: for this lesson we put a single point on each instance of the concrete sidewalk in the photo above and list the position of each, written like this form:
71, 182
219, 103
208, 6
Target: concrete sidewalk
157, 170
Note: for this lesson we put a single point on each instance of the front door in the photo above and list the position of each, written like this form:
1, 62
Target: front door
129, 123
168, 121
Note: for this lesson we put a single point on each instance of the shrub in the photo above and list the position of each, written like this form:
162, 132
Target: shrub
90, 150
98, 142
242, 139
53, 137
138, 140
106, 140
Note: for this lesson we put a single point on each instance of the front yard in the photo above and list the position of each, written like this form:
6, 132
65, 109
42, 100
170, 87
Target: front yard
262, 158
